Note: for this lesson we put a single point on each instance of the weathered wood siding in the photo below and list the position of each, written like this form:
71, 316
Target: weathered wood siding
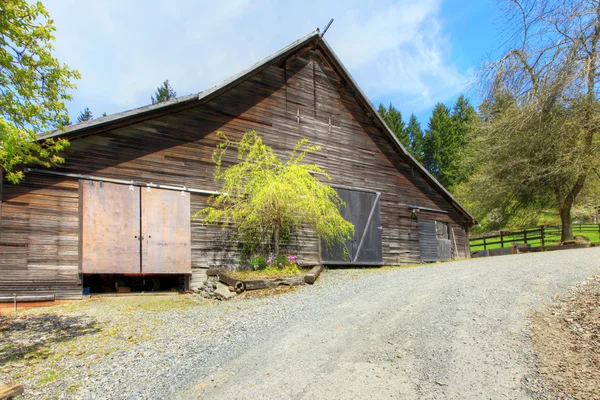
39, 236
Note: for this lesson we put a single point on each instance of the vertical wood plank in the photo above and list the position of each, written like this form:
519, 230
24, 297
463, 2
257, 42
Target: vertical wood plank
110, 228
166, 227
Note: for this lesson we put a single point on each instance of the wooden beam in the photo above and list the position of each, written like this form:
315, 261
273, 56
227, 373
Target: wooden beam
313, 274
10, 390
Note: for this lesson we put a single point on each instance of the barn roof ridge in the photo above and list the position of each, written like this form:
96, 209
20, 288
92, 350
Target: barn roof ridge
132, 116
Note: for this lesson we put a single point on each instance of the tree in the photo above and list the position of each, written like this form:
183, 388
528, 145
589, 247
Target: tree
446, 142
415, 137
393, 119
163, 93
266, 199
539, 137
435, 151
85, 115
33, 88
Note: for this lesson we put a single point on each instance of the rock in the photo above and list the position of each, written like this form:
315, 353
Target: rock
222, 292
580, 239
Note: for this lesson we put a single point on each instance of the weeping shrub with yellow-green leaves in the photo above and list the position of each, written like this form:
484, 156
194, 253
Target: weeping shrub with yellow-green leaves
265, 200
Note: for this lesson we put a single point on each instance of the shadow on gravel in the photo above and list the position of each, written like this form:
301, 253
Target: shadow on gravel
32, 336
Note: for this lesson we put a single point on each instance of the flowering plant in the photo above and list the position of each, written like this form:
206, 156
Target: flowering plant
281, 261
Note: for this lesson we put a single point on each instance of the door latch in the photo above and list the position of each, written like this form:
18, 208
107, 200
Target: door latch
140, 238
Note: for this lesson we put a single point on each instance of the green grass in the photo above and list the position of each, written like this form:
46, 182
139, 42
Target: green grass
551, 237
289, 271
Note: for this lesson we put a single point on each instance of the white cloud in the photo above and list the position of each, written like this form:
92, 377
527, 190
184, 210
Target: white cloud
125, 49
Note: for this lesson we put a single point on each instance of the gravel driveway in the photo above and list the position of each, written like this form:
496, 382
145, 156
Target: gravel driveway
456, 330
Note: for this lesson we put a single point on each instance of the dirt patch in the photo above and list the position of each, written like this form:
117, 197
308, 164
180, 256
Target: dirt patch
566, 344
44, 346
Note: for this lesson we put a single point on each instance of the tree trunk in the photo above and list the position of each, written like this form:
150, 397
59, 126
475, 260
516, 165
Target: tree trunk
276, 240
564, 208
567, 225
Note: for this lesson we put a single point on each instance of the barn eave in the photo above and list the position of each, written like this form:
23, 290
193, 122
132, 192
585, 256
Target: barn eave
313, 39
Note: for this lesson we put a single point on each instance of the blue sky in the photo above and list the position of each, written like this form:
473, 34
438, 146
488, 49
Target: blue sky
410, 53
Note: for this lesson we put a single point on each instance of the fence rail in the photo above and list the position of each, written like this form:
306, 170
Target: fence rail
535, 237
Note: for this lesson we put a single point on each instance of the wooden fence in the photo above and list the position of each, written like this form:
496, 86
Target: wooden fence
535, 237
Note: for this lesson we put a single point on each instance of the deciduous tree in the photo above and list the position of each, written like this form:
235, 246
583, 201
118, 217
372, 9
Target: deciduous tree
539, 139
33, 88
265, 199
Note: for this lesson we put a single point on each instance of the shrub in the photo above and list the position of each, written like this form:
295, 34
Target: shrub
258, 263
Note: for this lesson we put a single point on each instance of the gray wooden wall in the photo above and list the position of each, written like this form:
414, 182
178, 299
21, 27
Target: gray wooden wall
39, 235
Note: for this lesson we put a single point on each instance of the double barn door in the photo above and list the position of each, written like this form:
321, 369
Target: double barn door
132, 230
365, 248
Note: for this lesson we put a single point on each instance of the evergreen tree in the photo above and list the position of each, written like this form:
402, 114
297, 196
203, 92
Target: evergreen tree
163, 93
435, 152
85, 115
393, 119
415, 137
446, 143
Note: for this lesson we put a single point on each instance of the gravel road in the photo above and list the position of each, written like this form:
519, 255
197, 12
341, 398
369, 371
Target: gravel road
457, 330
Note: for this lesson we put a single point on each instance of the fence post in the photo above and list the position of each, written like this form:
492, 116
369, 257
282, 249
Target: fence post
542, 233
525, 235
484, 245
501, 240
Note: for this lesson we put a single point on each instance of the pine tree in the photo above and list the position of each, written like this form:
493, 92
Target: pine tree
163, 93
85, 115
435, 152
446, 143
415, 137
393, 119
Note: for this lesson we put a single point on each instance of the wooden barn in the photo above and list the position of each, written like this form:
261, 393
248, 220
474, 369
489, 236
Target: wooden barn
121, 205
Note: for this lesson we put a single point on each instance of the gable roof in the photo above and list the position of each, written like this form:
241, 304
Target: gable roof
314, 39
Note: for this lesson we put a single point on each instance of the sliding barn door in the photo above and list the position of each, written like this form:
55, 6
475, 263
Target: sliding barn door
166, 245
110, 228
363, 210
132, 230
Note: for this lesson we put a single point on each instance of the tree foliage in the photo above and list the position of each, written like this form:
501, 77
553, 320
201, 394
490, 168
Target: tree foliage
539, 141
411, 135
265, 199
415, 137
163, 93
85, 115
33, 87
446, 142
393, 118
